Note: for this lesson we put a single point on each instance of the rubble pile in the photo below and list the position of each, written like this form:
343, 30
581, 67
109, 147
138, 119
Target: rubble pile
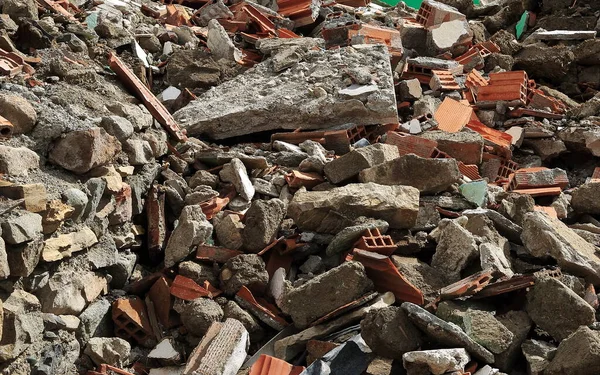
301, 187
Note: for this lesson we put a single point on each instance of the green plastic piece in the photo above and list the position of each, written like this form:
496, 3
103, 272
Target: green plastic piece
475, 192
522, 24
415, 4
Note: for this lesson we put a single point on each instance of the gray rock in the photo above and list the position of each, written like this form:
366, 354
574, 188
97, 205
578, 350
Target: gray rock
438, 361
117, 126
307, 104
455, 248
430, 176
519, 323
410, 89
234, 311
561, 314
262, 222
585, 198
445, 333
20, 330
331, 211
138, 115
18, 111
139, 152
193, 229
348, 236
20, 9
123, 268
4, 267
220, 44
538, 355
199, 314
108, 350
350, 164
23, 259
235, 172
389, 332
17, 161
96, 321
69, 292
22, 226
229, 229
545, 237
76, 199
203, 178
198, 272
244, 270
486, 330
305, 303
577, 354
427, 279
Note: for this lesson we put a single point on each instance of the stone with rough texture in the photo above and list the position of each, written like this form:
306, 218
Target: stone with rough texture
341, 285
69, 292
236, 108
229, 229
19, 112
538, 355
447, 35
585, 198
96, 320
464, 146
80, 151
22, 226
220, 44
23, 259
344, 239
350, 164
547, 237
456, 247
193, 229
579, 354
389, 332
234, 311
430, 176
108, 350
331, 211
487, 331
244, 270
445, 333
4, 267
561, 314
235, 172
437, 362
117, 126
262, 222
198, 315
64, 245
581, 139
410, 89
17, 161
198, 272
519, 323
18, 9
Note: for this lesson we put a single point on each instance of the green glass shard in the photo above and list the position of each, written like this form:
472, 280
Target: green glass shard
522, 24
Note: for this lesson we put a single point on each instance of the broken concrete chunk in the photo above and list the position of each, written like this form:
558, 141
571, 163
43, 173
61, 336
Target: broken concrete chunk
117, 126
17, 161
448, 35
244, 270
80, 151
222, 350
198, 315
464, 146
456, 247
430, 176
344, 239
331, 211
95, 320
302, 106
23, 259
304, 304
560, 315
220, 44
577, 354
437, 362
487, 331
108, 350
350, 164
410, 89
545, 237
538, 355
235, 172
69, 292
21, 227
262, 223
448, 334
19, 112
389, 332
229, 229
193, 229
585, 198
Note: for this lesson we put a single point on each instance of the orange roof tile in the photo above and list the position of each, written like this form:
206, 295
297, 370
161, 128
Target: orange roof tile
452, 115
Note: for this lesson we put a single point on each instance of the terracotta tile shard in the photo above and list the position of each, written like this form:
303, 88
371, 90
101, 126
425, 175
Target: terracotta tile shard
344, 309
154, 106
538, 100
302, 12
317, 349
442, 80
590, 296
266, 312
467, 286
277, 260
506, 286
493, 136
540, 192
297, 179
596, 174
213, 206
12, 64
267, 365
452, 116
61, 7
386, 277
373, 240
143, 285
131, 321
410, 144
160, 295
177, 15
520, 112
215, 253
188, 290
107, 370
469, 170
